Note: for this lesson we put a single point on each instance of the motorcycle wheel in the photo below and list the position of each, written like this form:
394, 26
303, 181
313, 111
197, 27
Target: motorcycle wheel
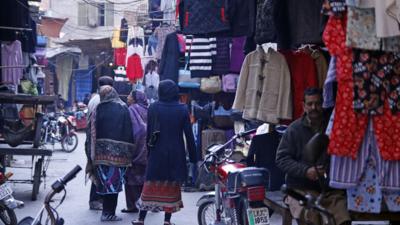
69, 142
206, 213
8, 217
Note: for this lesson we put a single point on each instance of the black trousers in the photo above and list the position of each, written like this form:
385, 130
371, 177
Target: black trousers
110, 204
132, 195
93, 194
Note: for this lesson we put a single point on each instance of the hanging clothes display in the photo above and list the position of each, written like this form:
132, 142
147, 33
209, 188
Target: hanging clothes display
135, 41
169, 64
203, 17
161, 33
264, 91
303, 75
11, 55
241, 17
221, 62
123, 37
237, 54
347, 132
200, 52
64, 73
134, 69
120, 56
168, 9
272, 23
83, 83
328, 91
115, 41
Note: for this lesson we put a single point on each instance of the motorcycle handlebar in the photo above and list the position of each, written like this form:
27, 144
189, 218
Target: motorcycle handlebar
245, 133
71, 175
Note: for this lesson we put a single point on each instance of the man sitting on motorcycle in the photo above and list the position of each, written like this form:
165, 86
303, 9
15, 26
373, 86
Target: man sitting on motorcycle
308, 177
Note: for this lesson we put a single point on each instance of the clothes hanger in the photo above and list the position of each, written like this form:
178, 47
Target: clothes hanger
267, 46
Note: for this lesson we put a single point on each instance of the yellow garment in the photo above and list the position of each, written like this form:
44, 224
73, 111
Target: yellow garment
116, 43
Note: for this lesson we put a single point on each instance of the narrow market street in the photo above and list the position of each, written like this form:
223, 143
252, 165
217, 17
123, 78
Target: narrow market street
75, 209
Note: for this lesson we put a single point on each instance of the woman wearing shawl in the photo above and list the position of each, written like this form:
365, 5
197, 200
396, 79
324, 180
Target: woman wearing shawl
135, 175
113, 148
166, 168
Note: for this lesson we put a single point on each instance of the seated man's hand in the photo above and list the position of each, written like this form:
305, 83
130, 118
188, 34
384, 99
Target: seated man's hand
312, 173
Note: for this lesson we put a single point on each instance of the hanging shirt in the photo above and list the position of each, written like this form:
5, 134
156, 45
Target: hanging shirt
152, 79
168, 7
115, 42
11, 55
120, 56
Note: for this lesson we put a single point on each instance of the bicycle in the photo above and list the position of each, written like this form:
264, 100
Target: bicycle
52, 214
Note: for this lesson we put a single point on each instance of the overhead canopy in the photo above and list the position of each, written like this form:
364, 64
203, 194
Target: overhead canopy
91, 46
51, 26
51, 52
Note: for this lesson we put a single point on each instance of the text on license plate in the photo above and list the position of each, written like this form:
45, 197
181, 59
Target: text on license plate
258, 216
5, 191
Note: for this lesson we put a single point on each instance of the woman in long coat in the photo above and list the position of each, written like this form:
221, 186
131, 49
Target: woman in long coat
166, 168
135, 175
112, 148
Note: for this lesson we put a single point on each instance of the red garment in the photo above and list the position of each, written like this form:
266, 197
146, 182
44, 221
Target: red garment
134, 69
303, 75
120, 56
349, 127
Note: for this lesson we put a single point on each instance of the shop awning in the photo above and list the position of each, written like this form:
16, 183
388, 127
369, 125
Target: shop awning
51, 26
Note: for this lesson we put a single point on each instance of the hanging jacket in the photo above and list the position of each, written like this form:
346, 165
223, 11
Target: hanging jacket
272, 23
134, 69
241, 16
169, 64
263, 91
204, 16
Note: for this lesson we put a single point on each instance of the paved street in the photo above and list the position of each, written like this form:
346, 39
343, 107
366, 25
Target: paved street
75, 208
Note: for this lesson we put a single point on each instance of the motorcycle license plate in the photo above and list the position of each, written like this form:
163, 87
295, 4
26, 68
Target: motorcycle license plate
5, 190
258, 216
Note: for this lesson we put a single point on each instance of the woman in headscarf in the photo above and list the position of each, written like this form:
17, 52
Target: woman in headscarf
168, 121
135, 175
113, 148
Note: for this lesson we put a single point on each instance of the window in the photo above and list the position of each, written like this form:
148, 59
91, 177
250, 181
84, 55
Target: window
96, 14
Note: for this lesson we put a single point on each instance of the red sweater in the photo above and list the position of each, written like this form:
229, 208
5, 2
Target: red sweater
134, 69
304, 75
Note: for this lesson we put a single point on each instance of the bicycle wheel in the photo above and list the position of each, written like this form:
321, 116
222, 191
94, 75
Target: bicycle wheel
8, 217
69, 142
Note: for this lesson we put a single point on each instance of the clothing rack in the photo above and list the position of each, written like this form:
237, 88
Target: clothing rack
16, 28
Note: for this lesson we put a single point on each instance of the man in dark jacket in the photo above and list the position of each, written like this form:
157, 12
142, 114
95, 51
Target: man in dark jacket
301, 174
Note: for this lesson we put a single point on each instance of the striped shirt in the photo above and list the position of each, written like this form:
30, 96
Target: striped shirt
346, 172
200, 53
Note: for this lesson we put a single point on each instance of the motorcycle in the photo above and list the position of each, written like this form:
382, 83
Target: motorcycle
60, 129
7, 202
238, 197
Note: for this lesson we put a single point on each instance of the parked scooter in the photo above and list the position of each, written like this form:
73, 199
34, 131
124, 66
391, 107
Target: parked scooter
239, 193
60, 128
7, 201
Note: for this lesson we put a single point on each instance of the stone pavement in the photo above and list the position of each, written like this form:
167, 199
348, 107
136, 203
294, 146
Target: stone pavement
75, 209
